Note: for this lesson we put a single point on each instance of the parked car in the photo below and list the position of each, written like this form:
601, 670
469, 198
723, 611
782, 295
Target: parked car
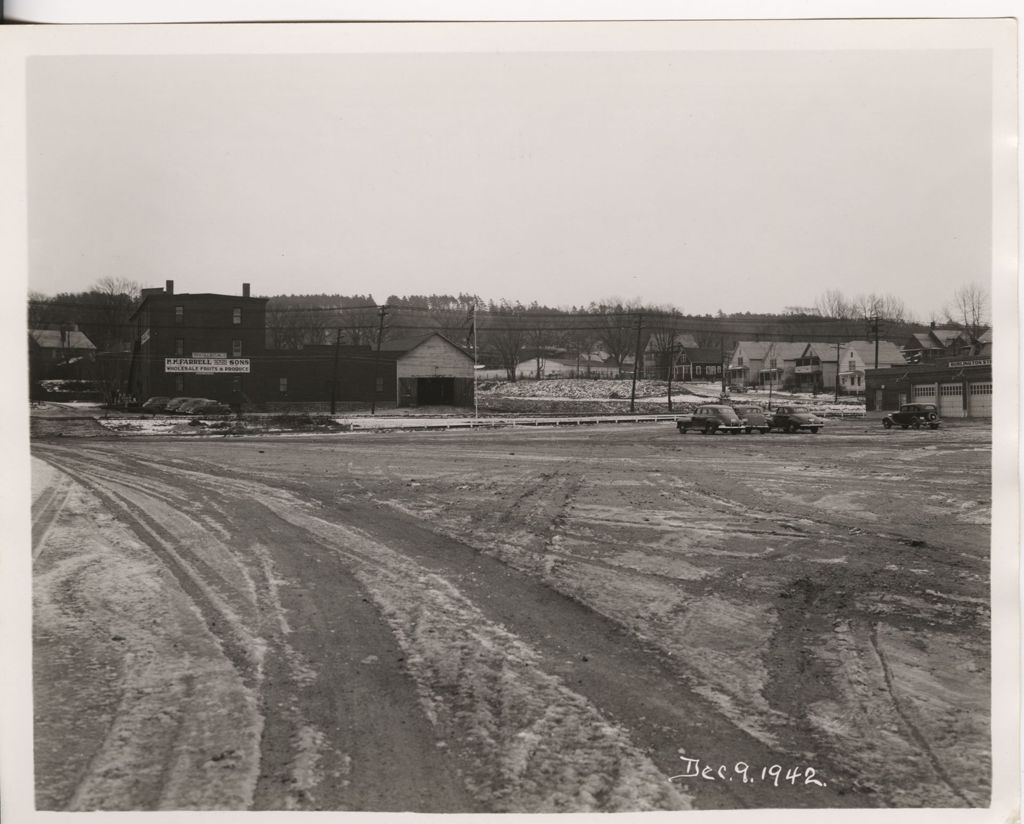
793, 419
753, 418
206, 406
174, 404
914, 415
158, 403
711, 418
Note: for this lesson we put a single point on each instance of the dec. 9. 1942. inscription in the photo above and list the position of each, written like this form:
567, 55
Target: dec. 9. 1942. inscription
773, 774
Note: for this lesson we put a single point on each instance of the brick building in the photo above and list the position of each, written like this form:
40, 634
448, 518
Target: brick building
960, 386
197, 345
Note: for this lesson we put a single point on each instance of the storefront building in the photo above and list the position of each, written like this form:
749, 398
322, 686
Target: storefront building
960, 387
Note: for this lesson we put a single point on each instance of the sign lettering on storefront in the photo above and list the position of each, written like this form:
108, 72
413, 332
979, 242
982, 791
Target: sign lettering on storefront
209, 355
206, 366
982, 362
806, 370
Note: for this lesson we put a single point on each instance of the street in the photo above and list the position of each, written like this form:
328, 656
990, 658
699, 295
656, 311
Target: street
513, 621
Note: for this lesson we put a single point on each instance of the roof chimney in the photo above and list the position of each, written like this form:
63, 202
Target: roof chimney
245, 290
169, 288
933, 324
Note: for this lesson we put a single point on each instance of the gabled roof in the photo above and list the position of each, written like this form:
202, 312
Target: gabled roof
889, 353
54, 339
985, 337
396, 347
924, 340
788, 351
698, 355
822, 350
947, 336
754, 348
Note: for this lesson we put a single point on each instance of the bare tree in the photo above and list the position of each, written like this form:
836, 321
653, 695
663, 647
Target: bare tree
663, 341
616, 327
580, 337
834, 304
542, 333
113, 301
969, 308
503, 336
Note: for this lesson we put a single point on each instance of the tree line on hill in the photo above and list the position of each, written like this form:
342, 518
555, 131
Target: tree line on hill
504, 333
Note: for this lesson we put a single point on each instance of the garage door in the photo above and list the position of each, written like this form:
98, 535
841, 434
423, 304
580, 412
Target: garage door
951, 400
924, 393
979, 400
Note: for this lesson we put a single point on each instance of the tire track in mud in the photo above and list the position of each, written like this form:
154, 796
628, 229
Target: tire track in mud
308, 706
45, 511
916, 734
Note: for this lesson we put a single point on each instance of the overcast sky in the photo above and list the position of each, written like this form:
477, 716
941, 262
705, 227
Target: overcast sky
743, 180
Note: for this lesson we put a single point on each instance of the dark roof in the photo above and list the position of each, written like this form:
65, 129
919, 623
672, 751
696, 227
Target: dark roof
54, 339
172, 296
704, 355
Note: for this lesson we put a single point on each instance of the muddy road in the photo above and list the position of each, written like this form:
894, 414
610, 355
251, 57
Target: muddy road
510, 621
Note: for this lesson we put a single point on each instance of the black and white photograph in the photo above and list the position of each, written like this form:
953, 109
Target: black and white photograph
533, 418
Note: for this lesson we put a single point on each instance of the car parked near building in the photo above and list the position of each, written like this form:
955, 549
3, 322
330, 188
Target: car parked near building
753, 418
793, 419
913, 415
156, 404
174, 405
711, 418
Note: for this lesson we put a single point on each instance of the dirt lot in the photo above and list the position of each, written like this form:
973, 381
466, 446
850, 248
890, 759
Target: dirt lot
528, 621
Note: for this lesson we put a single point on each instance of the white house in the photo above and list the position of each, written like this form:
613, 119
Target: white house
747, 361
858, 355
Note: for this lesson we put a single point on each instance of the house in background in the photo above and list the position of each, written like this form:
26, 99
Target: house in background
698, 364
779, 365
858, 355
926, 347
746, 362
816, 368
63, 352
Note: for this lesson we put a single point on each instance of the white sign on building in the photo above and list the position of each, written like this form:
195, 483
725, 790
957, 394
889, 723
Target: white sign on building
206, 366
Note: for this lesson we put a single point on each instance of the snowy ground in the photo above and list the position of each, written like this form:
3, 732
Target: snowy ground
512, 620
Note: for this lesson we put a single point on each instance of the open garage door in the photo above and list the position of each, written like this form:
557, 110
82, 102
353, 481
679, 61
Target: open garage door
435, 391
979, 400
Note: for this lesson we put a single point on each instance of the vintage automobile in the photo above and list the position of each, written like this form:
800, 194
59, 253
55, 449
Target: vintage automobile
174, 405
158, 403
711, 418
913, 415
753, 418
793, 419
203, 406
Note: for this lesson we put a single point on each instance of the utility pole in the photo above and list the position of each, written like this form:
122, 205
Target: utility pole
874, 320
721, 359
671, 369
636, 361
476, 405
376, 362
334, 374
837, 371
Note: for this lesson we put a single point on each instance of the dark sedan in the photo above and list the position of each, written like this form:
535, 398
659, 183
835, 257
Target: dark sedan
753, 418
913, 415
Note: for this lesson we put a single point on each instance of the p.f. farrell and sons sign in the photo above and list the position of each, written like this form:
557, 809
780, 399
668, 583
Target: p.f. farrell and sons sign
206, 366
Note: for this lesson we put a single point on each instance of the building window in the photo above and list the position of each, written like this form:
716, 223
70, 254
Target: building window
282, 385
179, 315
739, 360
236, 349
179, 347
179, 383
236, 316
380, 384
236, 384
697, 370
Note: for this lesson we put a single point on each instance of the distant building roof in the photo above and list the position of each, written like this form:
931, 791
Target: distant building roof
889, 353
985, 337
396, 347
823, 350
698, 355
54, 339
754, 348
924, 340
947, 336
788, 351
